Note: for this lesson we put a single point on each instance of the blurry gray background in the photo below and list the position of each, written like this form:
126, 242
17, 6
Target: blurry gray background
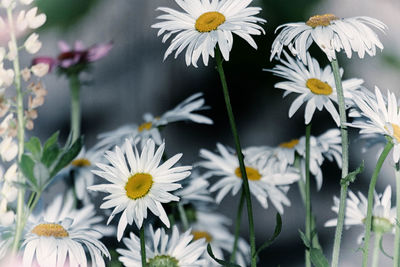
133, 79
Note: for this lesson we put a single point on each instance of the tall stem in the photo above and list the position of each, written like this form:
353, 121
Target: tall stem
345, 163
307, 193
396, 257
242, 167
375, 253
368, 219
237, 227
75, 85
20, 132
142, 246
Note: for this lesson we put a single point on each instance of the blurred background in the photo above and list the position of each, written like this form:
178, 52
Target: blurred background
133, 79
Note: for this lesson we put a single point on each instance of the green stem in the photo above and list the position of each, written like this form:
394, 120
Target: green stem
308, 194
20, 132
142, 246
345, 162
237, 227
245, 185
75, 85
375, 253
183, 216
368, 219
396, 257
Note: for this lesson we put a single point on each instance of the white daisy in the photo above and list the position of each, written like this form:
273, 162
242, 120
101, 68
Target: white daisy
381, 116
205, 23
138, 183
314, 85
173, 250
331, 34
265, 178
194, 190
383, 216
60, 233
213, 228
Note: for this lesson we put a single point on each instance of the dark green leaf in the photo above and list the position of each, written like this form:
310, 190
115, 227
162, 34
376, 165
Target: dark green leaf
277, 231
221, 262
51, 141
41, 174
305, 239
35, 147
318, 258
26, 165
50, 155
68, 156
350, 178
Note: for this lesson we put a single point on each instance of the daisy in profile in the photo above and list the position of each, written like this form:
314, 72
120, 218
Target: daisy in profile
331, 34
164, 250
194, 190
380, 116
138, 182
265, 177
315, 86
61, 234
205, 23
383, 215
150, 128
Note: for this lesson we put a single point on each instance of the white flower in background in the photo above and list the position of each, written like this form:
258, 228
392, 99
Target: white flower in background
139, 184
40, 69
6, 240
6, 216
331, 34
30, 19
315, 86
8, 189
383, 216
6, 76
265, 177
381, 116
194, 190
213, 227
26, 2
32, 44
12, 51
164, 250
60, 233
203, 24
184, 111
8, 149
7, 3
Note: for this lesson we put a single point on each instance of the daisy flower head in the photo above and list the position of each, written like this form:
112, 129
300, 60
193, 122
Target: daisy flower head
175, 250
60, 234
379, 115
315, 86
195, 190
139, 182
205, 23
266, 179
331, 34
383, 215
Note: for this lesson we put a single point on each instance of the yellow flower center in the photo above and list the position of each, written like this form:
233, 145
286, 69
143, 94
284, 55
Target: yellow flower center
318, 87
202, 234
291, 144
138, 185
252, 174
145, 126
50, 229
396, 132
82, 162
209, 21
321, 20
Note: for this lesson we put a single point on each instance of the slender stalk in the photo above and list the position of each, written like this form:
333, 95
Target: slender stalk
242, 167
396, 257
142, 246
368, 219
345, 163
308, 194
375, 253
237, 227
75, 85
20, 132
183, 216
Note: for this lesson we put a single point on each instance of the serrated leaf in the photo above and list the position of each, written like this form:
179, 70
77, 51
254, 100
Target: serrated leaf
351, 177
305, 239
318, 258
68, 156
277, 231
51, 141
41, 174
219, 261
26, 165
35, 147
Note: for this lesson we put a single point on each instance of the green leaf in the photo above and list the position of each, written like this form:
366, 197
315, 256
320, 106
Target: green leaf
305, 239
219, 261
41, 174
68, 156
351, 177
26, 165
318, 258
51, 141
277, 231
35, 147
50, 155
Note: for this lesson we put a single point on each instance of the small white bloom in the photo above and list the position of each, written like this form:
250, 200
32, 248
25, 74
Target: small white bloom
7, 3
6, 216
6, 76
8, 149
194, 190
164, 250
33, 20
32, 44
12, 51
26, 2
40, 69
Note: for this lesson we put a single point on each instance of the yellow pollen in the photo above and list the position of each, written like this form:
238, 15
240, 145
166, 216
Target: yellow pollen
318, 87
321, 20
138, 185
201, 234
396, 132
50, 229
291, 144
82, 162
209, 21
252, 174
145, 126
